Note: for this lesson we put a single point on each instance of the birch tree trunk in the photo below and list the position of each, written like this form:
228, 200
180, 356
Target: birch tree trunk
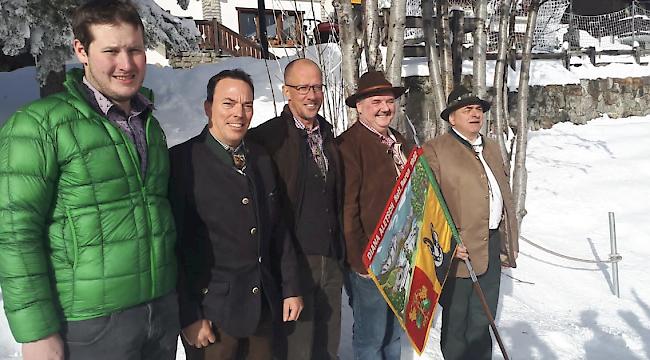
500, 102
395, 53
520, 177
433, 61
372, 38
443, 35
349, 53
395, 50
479, 55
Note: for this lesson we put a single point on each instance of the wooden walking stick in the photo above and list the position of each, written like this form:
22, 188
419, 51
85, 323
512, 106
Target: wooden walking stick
486, 308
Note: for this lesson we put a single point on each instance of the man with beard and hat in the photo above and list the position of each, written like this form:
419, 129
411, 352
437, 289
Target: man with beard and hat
474, 183
373, 155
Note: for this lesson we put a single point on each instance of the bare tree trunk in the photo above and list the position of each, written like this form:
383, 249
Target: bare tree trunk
479, 55
372, 40
520, 177
444, 42
443, 37
349, 52
433, 60
500, 103
457, 24
395, 51
512, 48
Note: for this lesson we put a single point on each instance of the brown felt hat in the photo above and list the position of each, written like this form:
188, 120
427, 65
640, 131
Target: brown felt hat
373, 83
460, 97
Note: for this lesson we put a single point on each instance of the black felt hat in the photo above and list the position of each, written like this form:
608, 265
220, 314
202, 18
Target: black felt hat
460, 97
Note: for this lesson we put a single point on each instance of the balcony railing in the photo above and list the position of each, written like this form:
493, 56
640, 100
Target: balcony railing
217, 37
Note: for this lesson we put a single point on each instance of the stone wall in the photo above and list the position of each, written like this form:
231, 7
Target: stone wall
590, 99
189, 59
551, 104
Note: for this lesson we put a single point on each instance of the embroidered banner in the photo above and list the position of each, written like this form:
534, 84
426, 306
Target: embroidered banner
412, 248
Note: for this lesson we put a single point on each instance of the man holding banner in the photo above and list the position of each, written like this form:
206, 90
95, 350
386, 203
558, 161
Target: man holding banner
474, 183
373, 155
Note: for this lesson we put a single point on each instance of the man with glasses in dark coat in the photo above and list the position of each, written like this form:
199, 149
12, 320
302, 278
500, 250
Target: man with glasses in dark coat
302, 146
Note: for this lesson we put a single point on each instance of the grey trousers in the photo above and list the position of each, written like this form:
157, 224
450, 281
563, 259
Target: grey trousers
317, 332
145, 332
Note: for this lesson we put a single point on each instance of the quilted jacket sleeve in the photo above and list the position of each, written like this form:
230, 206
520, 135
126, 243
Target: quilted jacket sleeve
28, 172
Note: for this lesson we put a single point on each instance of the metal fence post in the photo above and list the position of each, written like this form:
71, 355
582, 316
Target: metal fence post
614, 257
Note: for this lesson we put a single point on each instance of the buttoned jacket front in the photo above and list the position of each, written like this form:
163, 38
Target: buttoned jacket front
284, 142
233, 245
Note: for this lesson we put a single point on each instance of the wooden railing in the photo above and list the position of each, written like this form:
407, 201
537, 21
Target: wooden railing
206, 28
215, 36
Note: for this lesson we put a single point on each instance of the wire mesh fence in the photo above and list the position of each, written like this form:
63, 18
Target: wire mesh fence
627, 27
556, 26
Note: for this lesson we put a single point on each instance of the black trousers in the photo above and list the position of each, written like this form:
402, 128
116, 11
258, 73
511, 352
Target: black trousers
465, 333
147, 331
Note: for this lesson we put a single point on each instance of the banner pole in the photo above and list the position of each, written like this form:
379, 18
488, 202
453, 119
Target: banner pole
486, 308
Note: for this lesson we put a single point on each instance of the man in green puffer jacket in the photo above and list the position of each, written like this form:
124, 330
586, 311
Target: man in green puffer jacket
87, 261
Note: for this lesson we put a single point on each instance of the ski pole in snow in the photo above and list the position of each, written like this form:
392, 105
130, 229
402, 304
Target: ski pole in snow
486, 308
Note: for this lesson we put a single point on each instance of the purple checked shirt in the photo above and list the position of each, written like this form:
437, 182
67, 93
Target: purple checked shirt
132, 125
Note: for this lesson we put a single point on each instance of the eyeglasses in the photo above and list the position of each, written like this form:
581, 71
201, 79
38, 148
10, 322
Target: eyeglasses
304, 89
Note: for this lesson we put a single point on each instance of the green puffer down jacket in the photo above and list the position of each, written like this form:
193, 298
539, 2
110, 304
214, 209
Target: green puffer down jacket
82, 235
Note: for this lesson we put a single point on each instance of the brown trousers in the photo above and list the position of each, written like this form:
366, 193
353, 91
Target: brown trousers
255, 347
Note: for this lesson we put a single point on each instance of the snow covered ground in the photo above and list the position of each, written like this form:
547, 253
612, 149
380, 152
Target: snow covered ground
550, 308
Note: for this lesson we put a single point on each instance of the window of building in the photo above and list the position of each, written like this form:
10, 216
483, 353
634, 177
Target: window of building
282, 28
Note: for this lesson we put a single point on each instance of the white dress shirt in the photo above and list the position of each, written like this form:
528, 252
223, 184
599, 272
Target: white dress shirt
496, 200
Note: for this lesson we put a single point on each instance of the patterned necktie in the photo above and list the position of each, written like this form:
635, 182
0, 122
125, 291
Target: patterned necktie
238, 159
315, 142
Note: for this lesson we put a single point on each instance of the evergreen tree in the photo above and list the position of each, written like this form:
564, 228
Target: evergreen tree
42, 29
